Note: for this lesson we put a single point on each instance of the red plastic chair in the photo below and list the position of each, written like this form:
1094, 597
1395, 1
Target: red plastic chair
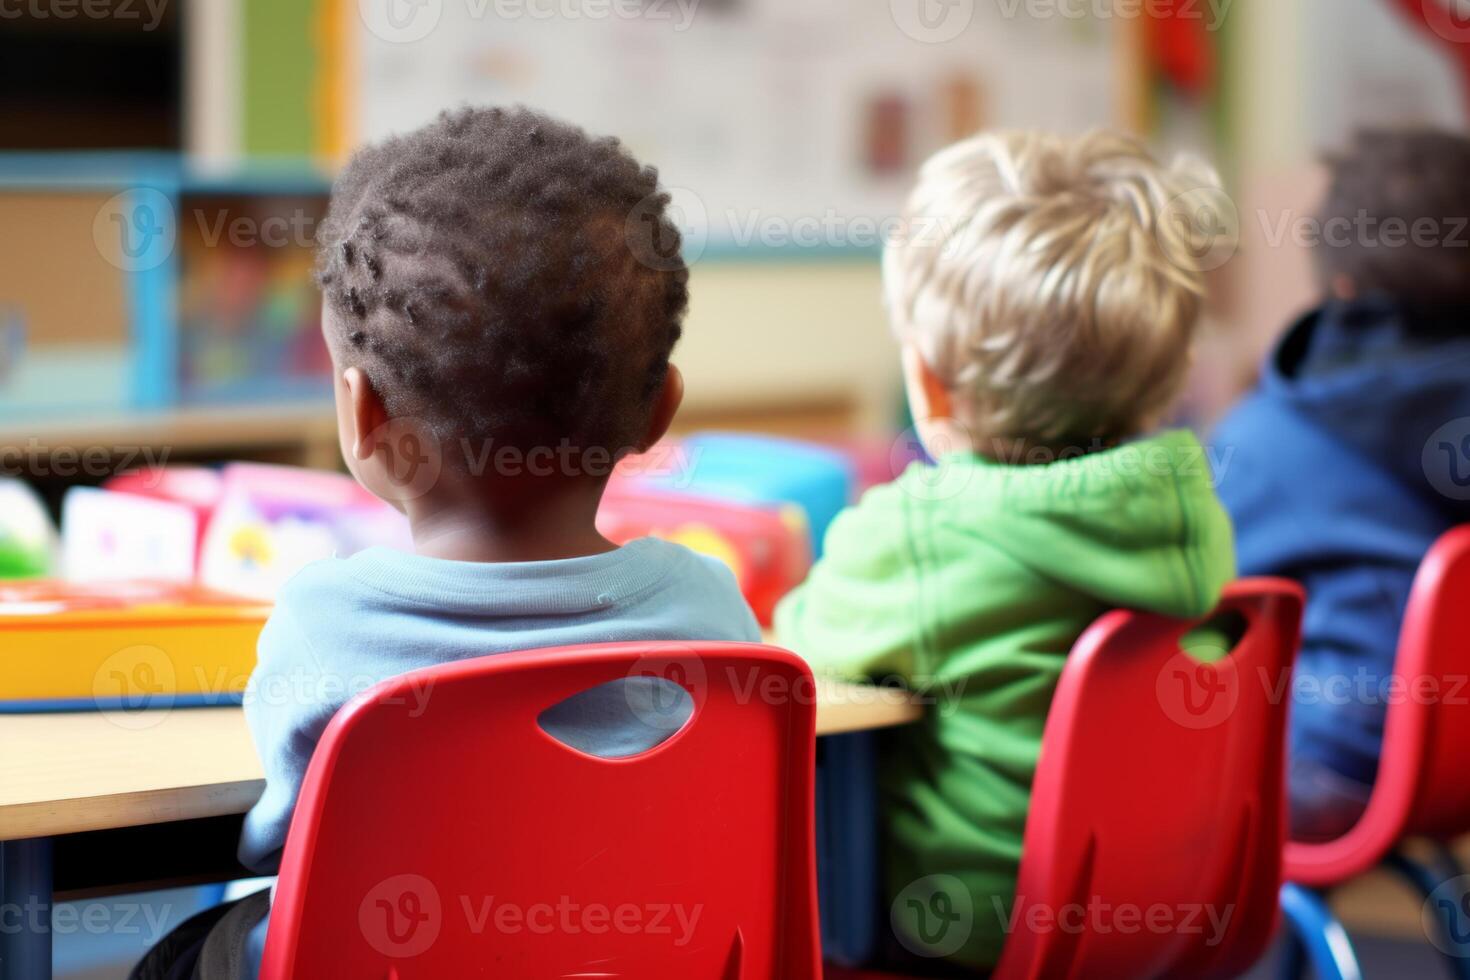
441, 832
1159, 787
1422, 789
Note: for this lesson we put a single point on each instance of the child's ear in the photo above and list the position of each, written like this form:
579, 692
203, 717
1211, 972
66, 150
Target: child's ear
368, 415
665, 406
1344, 288
932, 405
928, 396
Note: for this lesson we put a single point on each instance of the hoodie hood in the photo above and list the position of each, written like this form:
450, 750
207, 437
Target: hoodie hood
1137, 526
1380, 380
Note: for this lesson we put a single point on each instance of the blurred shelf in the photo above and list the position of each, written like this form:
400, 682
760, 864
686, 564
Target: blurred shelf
306, 429
304, 432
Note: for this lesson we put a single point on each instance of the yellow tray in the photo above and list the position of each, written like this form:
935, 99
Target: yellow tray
123, 645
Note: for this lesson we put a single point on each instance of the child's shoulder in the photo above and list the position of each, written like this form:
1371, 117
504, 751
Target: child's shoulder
319, 581
699, 586
683, 565
875, 531
322, 596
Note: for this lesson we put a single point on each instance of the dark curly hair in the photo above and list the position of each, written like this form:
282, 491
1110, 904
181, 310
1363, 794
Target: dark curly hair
501, 275
1399, 200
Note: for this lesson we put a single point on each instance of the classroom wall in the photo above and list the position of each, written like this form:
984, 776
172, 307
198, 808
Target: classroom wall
789, 335
1368, 65
1309, 73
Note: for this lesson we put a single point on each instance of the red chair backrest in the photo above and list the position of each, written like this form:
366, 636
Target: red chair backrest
1421, 786
1430, 713
1153, 843
440, 832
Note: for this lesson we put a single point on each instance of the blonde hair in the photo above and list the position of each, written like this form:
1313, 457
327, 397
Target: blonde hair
1048, 283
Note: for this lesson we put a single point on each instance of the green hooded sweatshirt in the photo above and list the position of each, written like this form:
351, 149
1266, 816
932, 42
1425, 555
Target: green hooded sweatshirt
969, 581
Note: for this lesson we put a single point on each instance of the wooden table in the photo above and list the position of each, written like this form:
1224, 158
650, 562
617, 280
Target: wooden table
87, 773
75, 772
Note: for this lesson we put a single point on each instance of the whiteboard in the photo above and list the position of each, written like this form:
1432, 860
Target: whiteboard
775, 122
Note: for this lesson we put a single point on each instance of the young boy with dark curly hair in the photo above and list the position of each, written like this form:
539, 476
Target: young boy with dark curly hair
501, 295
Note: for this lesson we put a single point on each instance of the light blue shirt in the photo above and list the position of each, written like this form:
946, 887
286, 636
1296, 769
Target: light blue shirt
344, 624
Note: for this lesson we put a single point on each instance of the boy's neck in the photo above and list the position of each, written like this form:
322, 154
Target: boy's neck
539, 522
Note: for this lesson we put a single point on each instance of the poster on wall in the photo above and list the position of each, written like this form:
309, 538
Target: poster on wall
773, 123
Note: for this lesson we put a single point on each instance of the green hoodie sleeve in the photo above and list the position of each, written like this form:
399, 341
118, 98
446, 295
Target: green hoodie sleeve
855, 616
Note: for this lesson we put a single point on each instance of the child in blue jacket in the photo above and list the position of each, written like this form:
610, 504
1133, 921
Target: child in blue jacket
1352, 455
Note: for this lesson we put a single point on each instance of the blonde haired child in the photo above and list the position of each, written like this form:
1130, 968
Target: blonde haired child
1045, 298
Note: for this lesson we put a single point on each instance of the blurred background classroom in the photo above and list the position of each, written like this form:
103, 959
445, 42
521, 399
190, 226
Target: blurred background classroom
164, 165
182, 311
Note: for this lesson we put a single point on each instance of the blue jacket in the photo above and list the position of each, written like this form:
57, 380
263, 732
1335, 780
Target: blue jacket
1323, 469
